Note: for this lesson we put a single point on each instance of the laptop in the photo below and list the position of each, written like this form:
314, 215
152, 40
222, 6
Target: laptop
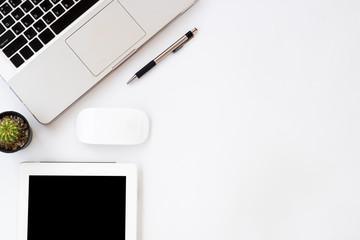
75, 201
53, 51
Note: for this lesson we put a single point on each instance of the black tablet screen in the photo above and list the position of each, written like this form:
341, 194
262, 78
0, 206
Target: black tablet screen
76, 207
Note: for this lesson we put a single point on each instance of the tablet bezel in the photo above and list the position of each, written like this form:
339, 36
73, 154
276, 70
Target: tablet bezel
78, 169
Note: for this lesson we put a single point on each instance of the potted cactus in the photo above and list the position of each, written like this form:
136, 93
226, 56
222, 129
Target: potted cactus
15, 132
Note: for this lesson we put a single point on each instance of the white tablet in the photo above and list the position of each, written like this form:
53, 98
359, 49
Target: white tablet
75, 201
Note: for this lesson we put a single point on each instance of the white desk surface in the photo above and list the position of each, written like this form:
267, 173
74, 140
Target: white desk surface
255, 125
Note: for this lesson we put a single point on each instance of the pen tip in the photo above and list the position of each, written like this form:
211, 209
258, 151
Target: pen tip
132, 79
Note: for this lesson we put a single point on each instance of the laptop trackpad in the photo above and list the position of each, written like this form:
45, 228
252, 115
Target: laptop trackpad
105, 37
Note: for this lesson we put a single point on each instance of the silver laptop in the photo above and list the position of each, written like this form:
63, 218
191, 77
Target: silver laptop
54, 51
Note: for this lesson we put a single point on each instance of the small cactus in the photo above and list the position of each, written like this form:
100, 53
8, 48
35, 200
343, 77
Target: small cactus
9, 131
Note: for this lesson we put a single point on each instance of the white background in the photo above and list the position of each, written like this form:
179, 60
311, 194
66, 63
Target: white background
255, 125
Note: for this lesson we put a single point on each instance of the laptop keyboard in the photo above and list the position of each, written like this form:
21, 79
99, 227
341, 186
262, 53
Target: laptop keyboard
26, 26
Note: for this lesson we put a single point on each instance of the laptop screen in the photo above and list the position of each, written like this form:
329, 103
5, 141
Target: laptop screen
76, 207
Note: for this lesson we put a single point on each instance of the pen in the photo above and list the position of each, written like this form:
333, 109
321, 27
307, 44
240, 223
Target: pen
172, 49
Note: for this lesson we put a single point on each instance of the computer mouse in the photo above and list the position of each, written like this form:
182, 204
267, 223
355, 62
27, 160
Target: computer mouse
112, 126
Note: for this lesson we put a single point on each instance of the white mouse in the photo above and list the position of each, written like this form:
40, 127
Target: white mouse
113, 126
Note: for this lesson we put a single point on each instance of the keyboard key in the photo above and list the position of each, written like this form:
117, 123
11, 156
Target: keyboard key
17, 60
6, 38
36, 2
17, 13
27, 6
36, 13
39, 25
55, 1
49, 18
67, 3
14, 3
2, 29
27, 20
58, 10
18, 28
72, 15
26, 52
14, 46
30, 33
36, 45
46, 5
8, 21
46, 36
5, 9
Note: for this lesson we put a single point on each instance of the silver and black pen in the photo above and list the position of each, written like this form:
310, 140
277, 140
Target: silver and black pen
172, 49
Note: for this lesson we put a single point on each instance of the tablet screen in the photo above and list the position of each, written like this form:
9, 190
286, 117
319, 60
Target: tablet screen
76, 207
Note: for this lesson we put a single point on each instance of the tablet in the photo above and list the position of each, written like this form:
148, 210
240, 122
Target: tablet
75, 201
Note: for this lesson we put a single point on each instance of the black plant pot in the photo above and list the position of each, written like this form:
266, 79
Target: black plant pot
26, 128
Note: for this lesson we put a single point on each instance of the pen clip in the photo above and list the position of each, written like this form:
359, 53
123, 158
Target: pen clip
179, 47
189, 35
